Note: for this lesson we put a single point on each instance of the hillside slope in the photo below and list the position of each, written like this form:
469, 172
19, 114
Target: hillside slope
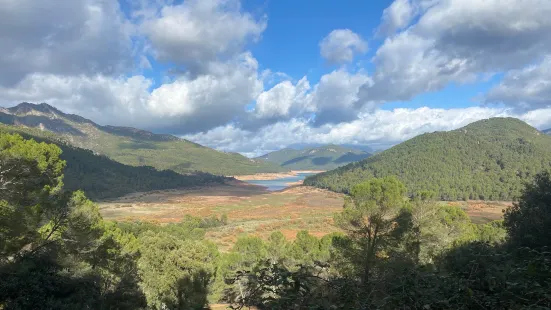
101, 177
488, 159
132, 146
316, 158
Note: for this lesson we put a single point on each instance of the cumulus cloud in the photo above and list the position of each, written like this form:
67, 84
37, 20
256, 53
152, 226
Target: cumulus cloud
284, 100
62, 37
198, 32
397, 16
184, 105
209, 100
341, 45
456, 41
526, 89
335, 97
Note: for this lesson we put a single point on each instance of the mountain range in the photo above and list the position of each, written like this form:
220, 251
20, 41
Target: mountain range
132, 146
489, 160
325, 157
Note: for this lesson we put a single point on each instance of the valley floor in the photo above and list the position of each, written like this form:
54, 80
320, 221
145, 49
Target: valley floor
254, 210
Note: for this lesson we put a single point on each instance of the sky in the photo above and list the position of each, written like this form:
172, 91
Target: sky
255, 76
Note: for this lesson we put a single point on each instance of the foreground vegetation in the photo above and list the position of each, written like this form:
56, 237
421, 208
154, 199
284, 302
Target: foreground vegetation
131, 146
487, 160
56, 252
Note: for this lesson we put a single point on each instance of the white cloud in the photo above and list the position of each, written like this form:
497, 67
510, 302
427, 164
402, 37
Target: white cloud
397, 16
197, 32
456, 41
184, 105
283, 100
335, 97
380, 128
341, 45
62, 37
526, 89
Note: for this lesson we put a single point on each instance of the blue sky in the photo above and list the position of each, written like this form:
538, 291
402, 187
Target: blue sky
255, 76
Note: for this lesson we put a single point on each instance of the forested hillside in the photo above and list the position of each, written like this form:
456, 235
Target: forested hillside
316, 158
133, 146
100, 177
489, 160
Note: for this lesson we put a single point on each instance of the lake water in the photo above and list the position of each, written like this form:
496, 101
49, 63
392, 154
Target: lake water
279, 184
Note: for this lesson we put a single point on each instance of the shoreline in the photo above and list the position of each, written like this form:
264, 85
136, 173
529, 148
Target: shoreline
273, 176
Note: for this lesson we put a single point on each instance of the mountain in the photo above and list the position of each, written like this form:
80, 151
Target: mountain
488, 159
547, 131
101, 177
132, 146
315, 158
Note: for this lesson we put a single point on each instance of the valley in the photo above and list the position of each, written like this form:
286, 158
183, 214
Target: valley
275, 155
254, 210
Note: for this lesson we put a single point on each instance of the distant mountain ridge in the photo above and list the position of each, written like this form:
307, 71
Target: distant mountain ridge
489, 160
132, 146
315, 158
547, 131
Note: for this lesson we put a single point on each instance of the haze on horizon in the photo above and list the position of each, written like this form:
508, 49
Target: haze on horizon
253, 77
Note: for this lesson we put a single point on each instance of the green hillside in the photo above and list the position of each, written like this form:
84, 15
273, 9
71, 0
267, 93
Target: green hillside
489, 159
317, 158
101, 177
133, 146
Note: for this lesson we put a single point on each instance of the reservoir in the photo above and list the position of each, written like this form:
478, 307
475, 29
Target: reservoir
281, 183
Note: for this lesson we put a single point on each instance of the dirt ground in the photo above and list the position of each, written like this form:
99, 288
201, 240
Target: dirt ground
250, 209
482, 212
254, 210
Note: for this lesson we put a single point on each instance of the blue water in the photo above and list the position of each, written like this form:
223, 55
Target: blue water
279, 184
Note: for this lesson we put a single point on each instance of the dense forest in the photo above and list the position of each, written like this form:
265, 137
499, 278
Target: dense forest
132, 146
100, 177
394, 251
315, 158
488, 160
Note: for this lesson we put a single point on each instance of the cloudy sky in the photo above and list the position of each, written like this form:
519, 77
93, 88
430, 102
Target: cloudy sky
254, 76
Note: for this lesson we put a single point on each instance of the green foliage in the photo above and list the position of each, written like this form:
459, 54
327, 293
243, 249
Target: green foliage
175, 273
488, 160
528, 222
470, 269
316, 158
368, 220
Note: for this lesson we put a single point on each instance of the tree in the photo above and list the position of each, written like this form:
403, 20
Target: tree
528, 221
368, 218
305, 248
30, 181
175, 273
55, 250
277, 246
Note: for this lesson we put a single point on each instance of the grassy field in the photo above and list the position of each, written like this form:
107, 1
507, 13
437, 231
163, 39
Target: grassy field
254, 210
250, 209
